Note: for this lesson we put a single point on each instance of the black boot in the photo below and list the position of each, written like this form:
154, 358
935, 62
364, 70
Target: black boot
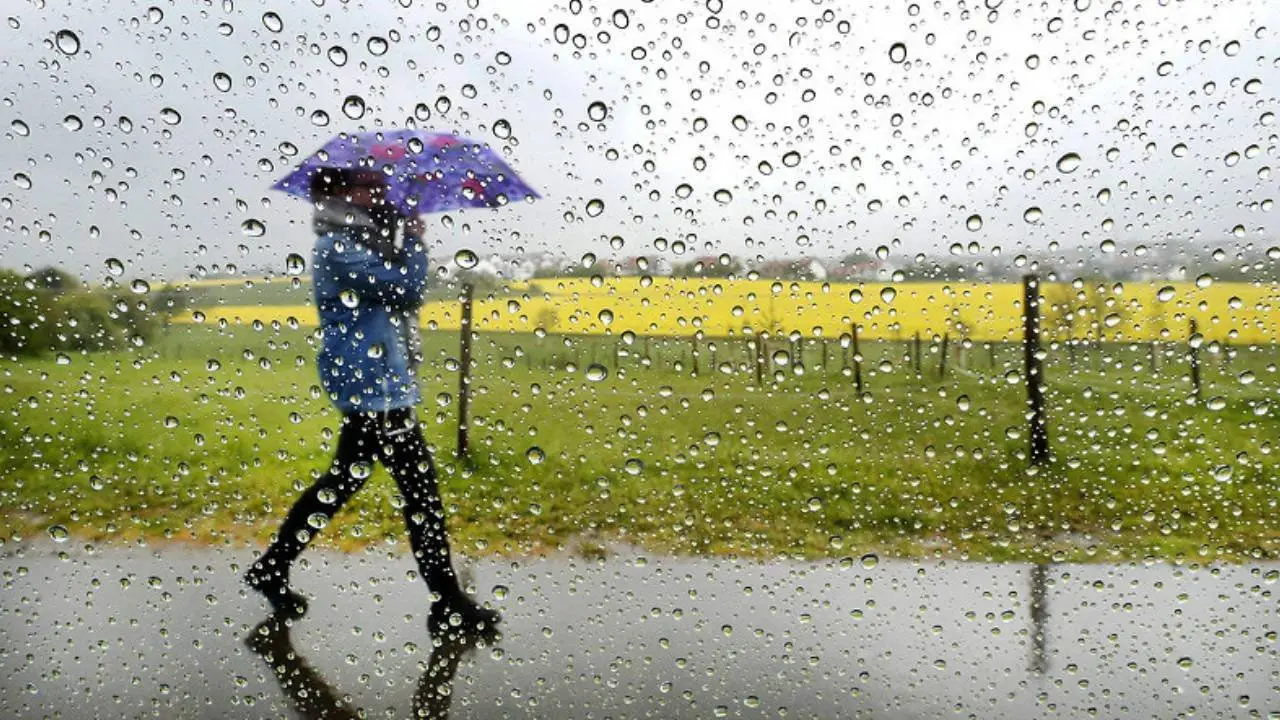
455, 615
274, 586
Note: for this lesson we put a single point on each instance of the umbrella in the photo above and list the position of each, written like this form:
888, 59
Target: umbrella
426, 172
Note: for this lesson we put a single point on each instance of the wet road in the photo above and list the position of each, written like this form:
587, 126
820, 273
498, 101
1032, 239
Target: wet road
143, 632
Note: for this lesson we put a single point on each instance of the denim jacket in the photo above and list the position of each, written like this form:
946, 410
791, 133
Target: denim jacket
369, 319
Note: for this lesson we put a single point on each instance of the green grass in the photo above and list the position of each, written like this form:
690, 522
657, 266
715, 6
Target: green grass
208, 434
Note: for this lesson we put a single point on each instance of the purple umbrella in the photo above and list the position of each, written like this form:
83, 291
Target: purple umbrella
426, 171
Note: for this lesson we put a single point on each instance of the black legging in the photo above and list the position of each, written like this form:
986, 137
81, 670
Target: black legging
395, 439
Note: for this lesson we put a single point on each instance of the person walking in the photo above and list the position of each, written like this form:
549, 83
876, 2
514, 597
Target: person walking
370, 273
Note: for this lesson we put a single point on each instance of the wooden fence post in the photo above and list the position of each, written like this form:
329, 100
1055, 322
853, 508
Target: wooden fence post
693, 353
1034, 370
760, 359
918, 370
464, 375
1193, 356
942, 358
857, 359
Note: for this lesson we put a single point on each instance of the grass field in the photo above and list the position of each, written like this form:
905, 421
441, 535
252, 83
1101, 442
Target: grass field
208, 433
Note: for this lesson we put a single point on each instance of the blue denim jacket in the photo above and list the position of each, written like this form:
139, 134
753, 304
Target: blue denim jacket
369, 321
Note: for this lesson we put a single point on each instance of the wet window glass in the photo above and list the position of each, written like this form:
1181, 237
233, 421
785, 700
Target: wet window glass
660, 359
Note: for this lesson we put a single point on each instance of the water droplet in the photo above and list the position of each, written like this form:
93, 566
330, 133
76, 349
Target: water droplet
888, 293
606, 317
595, 206
1253, 86
596, 372
170, 116
1179, 150
502, 129
466, 259
791, 159
1068, 163
1164, 68
973, 222
272, 22
1032, 214
633, 466
170, 421
377, 45
739, 122
19, 128
535, 455
72, 123
898, 52
295, 264
1232, 48
1033, 61
349, 298
1104, 196
621, 19
222, 81
723, 196
962, 403
1204, 280
711, 439
320, 118
361, 470
140, 287
500, 592
1013, 377
815, 504
22, 180
353, 107
62, 359
855, 295
58, 533
253, 228
67, 41
317, 521
1165, 294
870, 560
597, 111
337, 55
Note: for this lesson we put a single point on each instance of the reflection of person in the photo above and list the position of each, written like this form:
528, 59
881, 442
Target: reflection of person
314, 698
370, 271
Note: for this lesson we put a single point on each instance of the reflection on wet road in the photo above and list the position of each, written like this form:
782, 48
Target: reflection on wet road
141, 632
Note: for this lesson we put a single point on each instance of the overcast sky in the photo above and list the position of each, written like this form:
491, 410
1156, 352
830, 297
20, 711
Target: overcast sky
128, 143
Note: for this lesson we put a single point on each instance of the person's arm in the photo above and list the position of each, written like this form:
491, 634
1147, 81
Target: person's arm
399, 284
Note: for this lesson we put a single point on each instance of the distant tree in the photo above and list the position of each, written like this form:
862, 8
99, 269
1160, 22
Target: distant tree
482, 283
52, 278
708, 266
64, 315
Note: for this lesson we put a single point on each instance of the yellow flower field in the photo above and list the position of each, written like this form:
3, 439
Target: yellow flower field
1236, 312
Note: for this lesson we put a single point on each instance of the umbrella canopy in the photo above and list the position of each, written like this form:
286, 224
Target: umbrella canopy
425, 172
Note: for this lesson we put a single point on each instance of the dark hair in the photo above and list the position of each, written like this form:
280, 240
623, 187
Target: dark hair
330, 182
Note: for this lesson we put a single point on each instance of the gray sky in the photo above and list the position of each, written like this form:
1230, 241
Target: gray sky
861, 151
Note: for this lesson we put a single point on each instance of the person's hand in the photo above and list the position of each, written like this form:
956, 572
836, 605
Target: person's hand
414, 227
